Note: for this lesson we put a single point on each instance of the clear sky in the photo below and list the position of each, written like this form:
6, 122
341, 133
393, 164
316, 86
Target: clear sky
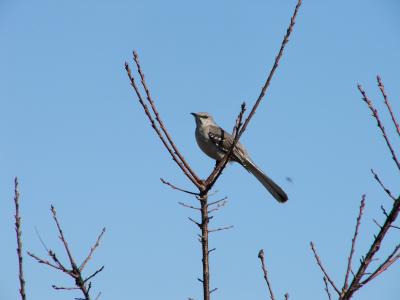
72, 131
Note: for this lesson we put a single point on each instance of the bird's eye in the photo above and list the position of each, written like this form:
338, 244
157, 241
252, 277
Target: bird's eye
204, 117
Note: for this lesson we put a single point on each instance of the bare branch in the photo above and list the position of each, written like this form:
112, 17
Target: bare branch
94, 274
379, 123
92, 249
220, 228
43, 261
158, 118
178, 189
261, 257
217, 206
323, 269
385, 97
19, 241
189, 206
287, 296
64, 288
327, 288
217, 202
64, 241
274, 67
353, 243
197, 223
75, 273
157, 130
387, 191
385, 265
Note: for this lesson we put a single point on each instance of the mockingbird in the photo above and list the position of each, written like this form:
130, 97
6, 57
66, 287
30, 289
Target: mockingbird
216, 142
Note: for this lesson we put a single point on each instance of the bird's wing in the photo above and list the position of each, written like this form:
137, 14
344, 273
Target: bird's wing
223, 140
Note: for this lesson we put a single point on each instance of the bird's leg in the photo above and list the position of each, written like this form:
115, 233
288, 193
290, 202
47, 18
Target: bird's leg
216, 163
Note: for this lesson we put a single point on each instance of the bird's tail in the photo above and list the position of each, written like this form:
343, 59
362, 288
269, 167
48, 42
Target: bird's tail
267, 182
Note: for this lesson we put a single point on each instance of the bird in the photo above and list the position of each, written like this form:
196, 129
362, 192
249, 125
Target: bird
215, 142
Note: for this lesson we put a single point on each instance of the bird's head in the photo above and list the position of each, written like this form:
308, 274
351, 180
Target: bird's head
203, 118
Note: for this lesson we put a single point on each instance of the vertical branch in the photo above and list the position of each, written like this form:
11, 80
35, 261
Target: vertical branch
261, 257
204, 245
353, 243
19, 240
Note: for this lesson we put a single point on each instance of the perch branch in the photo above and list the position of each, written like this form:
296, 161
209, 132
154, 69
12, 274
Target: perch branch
159, 120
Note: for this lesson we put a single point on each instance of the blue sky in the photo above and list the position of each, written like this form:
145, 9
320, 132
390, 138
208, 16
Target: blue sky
72, 131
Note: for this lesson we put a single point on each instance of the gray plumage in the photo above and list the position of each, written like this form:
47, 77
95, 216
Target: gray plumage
216, 142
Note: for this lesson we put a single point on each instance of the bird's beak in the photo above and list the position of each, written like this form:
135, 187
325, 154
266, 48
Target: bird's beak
194, 114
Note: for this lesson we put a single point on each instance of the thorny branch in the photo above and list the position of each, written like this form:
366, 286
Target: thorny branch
81, 283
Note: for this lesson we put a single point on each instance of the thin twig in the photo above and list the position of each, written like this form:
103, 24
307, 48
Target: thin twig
379, 123
327, 288
323, 269
74, 272
189, 206
221, 228
64, 241
92, 249
385, 97
64, 288
157, 130
287, 296
44, 261
217, 206
217, 202
261, 257
274, 67
353, 243
387, 191
158, 118
94, 274
177, 188
19, 241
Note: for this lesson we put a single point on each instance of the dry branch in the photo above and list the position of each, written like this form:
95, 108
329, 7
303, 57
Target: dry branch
75, 272
379, 123
323, 269
19, 241
361, 276
203, 186
264, 268
387, 103
353, 244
